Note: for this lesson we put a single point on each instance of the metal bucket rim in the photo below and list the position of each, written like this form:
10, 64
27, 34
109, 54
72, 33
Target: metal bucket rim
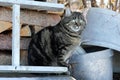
101, 44
106, 52
103, 54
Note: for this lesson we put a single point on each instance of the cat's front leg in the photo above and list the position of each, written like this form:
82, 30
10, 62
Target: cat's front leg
63, 56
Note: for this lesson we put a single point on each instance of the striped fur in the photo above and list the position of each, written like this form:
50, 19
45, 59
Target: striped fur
52, 46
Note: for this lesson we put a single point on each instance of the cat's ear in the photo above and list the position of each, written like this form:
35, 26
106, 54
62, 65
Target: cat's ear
67, 12
84, 12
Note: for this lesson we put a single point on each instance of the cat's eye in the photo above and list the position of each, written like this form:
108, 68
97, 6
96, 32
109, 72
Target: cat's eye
81, 21
73, 21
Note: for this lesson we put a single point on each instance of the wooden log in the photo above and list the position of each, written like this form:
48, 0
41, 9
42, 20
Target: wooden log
25, 31
30, 17
6, 42
37, 28
4, 26
6, 57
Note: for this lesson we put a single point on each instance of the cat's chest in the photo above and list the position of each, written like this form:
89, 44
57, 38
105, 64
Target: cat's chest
72, 39
65, 38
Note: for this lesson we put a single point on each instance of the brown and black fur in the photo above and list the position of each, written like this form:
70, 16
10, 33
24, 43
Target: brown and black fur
52, 46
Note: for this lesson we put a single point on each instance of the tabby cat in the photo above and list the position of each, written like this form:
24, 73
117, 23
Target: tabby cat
52, 46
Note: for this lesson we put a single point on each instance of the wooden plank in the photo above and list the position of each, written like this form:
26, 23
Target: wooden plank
30, 17
4, 26
35, 5
6, 42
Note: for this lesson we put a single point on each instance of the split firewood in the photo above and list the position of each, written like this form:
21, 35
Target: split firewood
4, 26
25, 31
6, 42
38, 28
6, 57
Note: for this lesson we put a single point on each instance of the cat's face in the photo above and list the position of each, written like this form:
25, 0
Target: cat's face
75, 22
76, 25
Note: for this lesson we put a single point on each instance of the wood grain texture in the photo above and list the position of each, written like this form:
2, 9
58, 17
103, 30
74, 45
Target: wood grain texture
25, 31
6, 42
4, 26
30, 17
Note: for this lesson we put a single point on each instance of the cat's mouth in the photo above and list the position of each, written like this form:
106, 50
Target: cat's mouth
75, 28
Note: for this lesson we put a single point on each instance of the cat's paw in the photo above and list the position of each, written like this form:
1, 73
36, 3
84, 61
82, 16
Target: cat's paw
64, 64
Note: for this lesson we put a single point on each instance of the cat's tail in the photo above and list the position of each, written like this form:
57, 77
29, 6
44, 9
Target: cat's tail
32, 29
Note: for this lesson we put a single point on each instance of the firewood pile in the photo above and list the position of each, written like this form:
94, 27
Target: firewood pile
41, 19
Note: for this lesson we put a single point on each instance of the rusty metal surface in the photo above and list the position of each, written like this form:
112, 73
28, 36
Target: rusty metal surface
102, 29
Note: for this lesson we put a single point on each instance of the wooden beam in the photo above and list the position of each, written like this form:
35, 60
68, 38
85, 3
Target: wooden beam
30, 17
6, 42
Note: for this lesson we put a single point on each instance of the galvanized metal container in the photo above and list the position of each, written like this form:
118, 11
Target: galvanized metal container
38, 78
96, 64
102, 29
